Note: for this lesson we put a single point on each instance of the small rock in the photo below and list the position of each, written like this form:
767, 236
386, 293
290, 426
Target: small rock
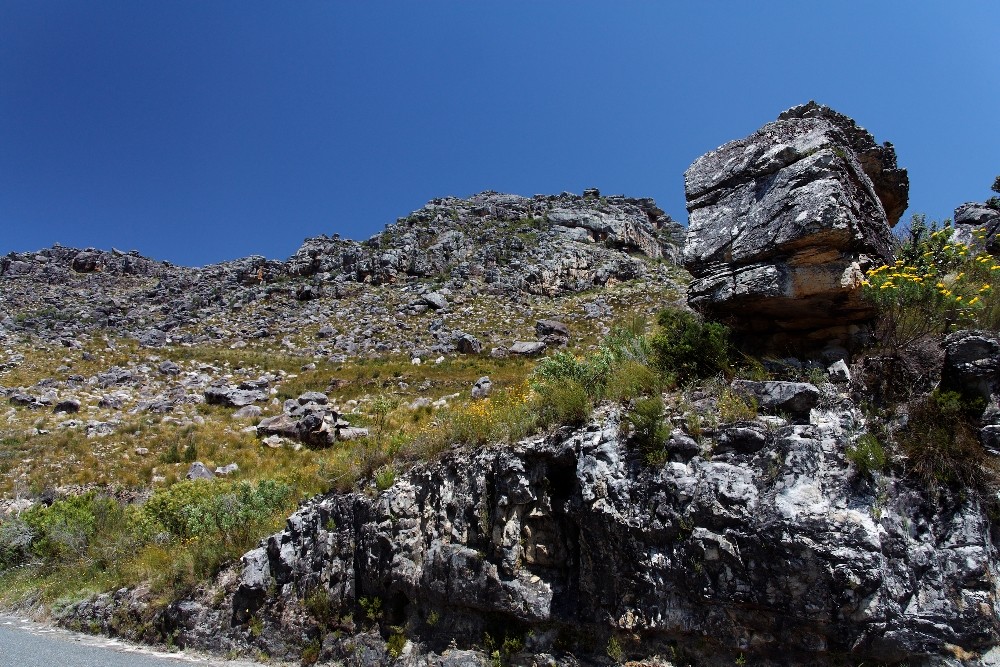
482, 388
69, 405
435, 300
839, 372
141, 451
527, 348
227, 469
199, 470
248, 412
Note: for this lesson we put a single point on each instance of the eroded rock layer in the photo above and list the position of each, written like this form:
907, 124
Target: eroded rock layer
775, 549
783, 224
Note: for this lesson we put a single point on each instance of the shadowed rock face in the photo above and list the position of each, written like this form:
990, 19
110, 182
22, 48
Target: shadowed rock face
784, 223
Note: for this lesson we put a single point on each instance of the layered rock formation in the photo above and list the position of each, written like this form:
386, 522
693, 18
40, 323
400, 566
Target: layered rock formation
783, 224
776, 550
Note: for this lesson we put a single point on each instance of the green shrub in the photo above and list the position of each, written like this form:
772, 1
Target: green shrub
650, 428
226, 511
867, 454
942, 446
63, 529
565, 402
935, 286
686, 348
735, 407
395, 644
15, 542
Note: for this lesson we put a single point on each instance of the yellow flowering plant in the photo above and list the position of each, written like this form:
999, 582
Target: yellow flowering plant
937, 284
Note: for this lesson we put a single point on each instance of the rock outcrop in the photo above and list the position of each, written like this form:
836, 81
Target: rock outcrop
783, 224
780, 552
972, 217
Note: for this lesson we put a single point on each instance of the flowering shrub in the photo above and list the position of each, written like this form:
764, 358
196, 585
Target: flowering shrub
936, 285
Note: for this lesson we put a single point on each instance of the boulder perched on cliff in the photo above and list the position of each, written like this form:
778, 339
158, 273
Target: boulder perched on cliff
783, 224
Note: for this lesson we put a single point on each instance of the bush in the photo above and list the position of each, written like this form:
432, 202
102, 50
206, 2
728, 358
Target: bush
935, 286
867, 454
63, 529
15, 542
225, 511
686, 348
565, 402
650, 428
942, 446
734, 407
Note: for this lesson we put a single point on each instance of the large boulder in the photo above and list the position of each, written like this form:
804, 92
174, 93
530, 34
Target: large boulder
784, 223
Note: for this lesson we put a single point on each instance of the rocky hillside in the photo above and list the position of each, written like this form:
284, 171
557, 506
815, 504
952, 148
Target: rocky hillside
642, 493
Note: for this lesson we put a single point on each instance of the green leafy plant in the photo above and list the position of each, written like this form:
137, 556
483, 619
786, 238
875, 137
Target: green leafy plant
733, 406
395, 644
941, 444
650, 428
686, 347
867, 454
933, 287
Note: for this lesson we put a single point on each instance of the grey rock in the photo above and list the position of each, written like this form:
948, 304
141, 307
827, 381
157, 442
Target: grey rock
972, 218
248, 412
971, 363
482, 388
316, 397
467, 343
228, 469
233, 397
839, 372
733, 550
435, 300
169, 368
783, 224
527, 348
794, 399
68, 405
555, 328
199, 470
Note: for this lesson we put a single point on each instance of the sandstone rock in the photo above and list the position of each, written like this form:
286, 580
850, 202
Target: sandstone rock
784, 223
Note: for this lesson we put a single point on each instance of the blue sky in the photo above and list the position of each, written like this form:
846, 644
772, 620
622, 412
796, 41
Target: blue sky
199, 131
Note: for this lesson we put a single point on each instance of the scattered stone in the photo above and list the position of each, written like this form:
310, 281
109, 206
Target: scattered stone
199, 470
482, 388
69, 405
972, 364
838, 372
527, 348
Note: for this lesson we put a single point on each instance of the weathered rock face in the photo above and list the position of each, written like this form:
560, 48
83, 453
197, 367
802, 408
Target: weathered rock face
784, 222
971, 217
776, 550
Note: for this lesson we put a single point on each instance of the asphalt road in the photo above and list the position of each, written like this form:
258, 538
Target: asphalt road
27, 644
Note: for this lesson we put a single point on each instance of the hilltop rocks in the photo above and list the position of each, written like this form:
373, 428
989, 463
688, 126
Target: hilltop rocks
783, 224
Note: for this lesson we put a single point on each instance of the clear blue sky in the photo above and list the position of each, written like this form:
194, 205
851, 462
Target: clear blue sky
198, 131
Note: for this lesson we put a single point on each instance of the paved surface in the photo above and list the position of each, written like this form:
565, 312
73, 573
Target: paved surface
27, 644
